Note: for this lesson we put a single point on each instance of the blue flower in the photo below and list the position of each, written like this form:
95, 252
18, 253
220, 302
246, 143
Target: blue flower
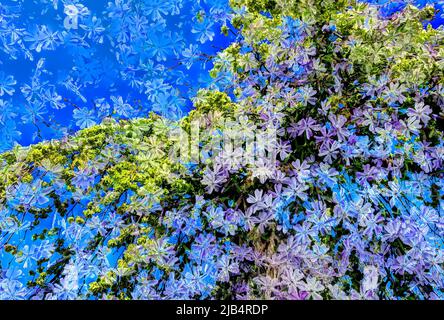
85, 117
204, 31
7, 84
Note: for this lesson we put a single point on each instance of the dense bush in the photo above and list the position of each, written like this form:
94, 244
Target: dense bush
352, 206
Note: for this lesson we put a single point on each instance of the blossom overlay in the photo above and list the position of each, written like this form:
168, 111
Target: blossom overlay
313, 171
68, 64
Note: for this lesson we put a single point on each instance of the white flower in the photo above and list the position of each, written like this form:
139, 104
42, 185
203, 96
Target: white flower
370, 281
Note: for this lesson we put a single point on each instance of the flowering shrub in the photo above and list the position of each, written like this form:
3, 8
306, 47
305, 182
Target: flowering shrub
348, 206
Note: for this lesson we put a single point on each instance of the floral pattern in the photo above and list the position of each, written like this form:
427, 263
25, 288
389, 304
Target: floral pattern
350, 206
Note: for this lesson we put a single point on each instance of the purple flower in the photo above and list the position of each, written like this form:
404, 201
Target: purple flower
84, 178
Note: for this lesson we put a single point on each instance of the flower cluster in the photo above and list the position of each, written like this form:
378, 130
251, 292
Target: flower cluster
349, 206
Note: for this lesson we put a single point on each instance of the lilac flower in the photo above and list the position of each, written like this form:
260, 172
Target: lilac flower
394, 94
29, 195
200, 279
296, 189
304, 233
227, 268
306, 95
326, 175
162, 252
421, 112
84, 178
338, 123
256, 198
371, 223
306, 126
313, 287
121, 108
262, 169
213, 179
301, 170
204, 247
263, 221
403, 264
